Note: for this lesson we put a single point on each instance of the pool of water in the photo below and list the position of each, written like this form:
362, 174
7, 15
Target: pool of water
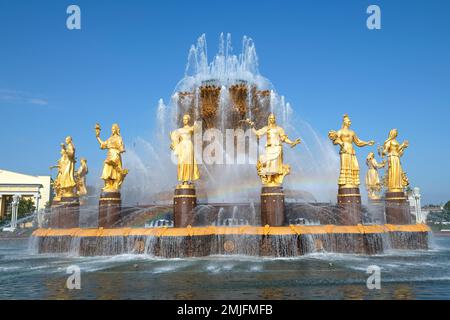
404, 275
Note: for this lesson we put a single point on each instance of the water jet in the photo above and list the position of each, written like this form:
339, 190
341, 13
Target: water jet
255, 208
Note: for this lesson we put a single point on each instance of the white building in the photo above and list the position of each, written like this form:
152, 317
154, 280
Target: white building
416, 207
37, 188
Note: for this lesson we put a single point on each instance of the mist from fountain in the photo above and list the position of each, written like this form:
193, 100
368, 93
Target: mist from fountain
152, 178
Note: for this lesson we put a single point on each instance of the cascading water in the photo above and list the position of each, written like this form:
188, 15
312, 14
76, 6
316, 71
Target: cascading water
219, 93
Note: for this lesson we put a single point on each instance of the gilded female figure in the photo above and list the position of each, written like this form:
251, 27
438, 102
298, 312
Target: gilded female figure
81, 177
396, 178
62, 163
270, 166
345, 138
67, 168
113, 173
373, 183
184, 149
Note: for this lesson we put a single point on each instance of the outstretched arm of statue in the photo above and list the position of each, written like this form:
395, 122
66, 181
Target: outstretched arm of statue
257, 133
99, 141
361, 143
334, 137
380, 165
250, 122
286, 139
103, 144
295, 142
402, 147
97, 135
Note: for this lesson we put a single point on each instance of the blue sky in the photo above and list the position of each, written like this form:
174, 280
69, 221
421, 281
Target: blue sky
319, 54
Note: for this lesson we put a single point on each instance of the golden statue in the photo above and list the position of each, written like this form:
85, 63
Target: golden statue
396, 179
57, 190
270, 166
373, 183
64, 183
113, 174
184, 149
345, 137
56, 182
81, 177
67, 178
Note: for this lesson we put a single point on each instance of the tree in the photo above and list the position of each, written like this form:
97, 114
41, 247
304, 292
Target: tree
447, 206
26, 206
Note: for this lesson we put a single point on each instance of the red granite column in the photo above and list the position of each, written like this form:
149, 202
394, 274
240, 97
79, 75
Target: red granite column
272, 206
65, 213
349, 202
184, 203
397, 208
109, 208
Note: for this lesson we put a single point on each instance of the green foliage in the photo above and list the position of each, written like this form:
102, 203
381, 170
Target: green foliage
25, 207
447, 206
439, 216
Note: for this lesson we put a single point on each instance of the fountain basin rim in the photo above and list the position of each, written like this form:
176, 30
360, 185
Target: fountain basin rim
239, 230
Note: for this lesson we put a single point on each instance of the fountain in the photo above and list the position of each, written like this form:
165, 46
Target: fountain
229, 200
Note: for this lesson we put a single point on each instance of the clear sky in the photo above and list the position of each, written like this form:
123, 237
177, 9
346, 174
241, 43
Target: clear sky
319, 54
